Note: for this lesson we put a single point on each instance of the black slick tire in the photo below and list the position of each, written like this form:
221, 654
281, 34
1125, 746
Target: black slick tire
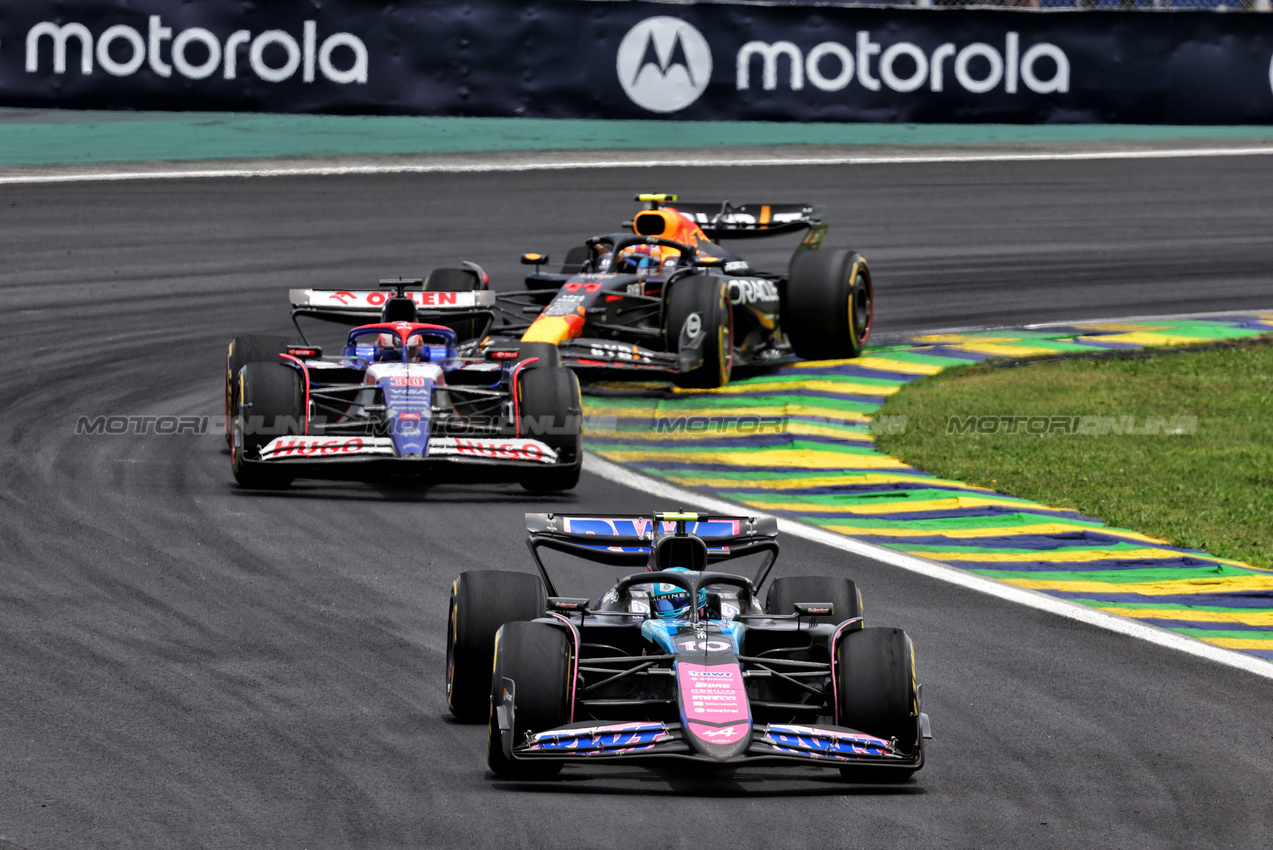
256, 348
827, 304
536, 657
842, 593
550, 409
271, 403
707, 297
878, 694
481, 602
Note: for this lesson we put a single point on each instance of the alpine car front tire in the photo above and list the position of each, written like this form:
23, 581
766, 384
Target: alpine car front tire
550, 409
271, 403
535, 658
481, 602
698, 314
828, 304
877, 694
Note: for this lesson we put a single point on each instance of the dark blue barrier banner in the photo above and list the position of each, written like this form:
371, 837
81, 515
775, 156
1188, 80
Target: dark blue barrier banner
711, 61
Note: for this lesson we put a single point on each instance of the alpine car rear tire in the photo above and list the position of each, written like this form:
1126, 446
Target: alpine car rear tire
271, 403
842, 593
550, 409
536, 658
828, 304
244, 350
707, 297
481, 602
877, 693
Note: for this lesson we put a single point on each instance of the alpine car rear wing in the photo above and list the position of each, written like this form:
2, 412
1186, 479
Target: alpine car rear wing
726, 221
623, 540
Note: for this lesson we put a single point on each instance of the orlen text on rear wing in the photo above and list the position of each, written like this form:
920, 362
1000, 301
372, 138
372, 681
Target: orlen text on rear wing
726, 221
471, 313
623, 540
358, 306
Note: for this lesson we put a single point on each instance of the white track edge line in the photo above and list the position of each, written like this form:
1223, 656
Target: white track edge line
263, 169
931, 569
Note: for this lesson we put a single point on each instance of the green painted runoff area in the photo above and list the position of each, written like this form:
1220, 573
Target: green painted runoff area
49, 137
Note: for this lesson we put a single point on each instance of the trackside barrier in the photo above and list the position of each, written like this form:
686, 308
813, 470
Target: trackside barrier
577, 59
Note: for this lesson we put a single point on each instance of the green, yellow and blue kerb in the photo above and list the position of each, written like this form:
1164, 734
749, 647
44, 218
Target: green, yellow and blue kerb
796, 442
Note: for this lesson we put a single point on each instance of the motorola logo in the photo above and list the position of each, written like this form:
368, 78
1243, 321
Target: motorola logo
664, 64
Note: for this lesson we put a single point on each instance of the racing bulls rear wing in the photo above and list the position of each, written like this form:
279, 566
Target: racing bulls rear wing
357, 306
727, 221
623, 540
470, 313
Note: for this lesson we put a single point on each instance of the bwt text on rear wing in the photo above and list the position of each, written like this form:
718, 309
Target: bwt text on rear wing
625, 539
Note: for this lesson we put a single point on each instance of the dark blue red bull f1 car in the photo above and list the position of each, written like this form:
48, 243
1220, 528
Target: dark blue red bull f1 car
679, 661
668, 301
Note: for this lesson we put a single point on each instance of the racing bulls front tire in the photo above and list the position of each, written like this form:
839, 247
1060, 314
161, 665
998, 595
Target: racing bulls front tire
481, 602
257, 348
827, 304
271, 403
842, 593
550, 409
706, 297
535, 658
877, 694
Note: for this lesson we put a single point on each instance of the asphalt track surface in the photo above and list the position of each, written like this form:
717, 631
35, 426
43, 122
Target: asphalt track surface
185, 664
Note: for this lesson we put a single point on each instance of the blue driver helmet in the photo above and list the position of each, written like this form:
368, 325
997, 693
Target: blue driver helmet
670, 601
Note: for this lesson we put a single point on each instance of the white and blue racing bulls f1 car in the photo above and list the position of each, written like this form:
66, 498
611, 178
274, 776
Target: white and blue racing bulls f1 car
400, 400
679, 661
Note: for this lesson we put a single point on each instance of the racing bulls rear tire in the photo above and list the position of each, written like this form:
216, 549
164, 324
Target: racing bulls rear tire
244, 350
536, 657
842, 593
271, 403
827, 304
707, 297
481, 602
877, 694
550, 409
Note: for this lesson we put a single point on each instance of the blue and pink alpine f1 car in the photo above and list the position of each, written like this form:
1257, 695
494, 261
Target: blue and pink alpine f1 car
679, 661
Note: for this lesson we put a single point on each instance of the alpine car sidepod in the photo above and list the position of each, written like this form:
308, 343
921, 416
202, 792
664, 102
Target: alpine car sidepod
721, 681
402, 399
666, 300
